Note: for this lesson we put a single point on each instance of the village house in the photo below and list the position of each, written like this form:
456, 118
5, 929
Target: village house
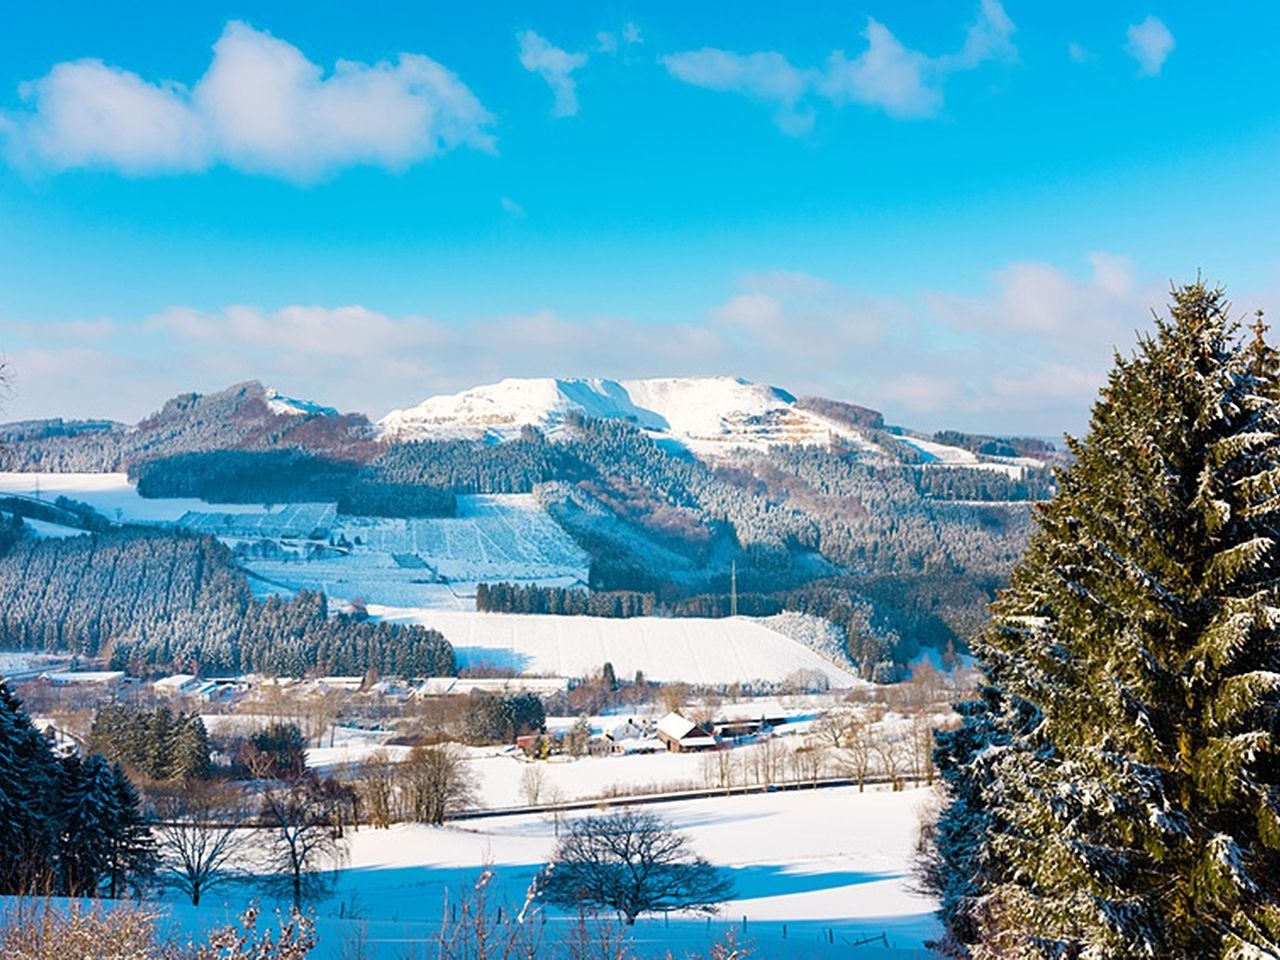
682, 735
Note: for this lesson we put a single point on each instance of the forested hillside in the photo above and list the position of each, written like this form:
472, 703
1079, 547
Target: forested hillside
240, 417
863, 519
146, 600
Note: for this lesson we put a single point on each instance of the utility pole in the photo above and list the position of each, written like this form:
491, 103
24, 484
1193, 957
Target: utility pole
733, 590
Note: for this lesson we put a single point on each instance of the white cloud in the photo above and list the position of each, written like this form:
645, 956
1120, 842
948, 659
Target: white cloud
631, 34
556, 66
1024, 354
1150, 43
261, 107
89, 114
512, 207
606, 42
1079, 54
766, 77
990, 37
886, 75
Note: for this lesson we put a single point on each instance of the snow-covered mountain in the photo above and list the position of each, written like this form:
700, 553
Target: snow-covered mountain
704, 414
277, 402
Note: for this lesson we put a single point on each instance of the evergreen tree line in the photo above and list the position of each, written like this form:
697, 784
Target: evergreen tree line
237, 418
149, 599
61, 510
873, 644
288, 476
468, 466
1114, 791
565, 601
155, 744
997, 446
68, 826
962, 483
493, 719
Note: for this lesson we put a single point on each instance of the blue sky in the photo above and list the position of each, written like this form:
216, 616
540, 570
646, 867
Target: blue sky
950, 211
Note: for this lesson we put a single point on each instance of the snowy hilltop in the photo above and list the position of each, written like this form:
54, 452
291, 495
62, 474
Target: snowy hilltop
700, 413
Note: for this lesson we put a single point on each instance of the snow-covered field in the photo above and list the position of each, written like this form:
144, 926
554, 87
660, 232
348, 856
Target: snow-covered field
429, 563
941, 455
693, 650
814, 871
112, 495
25, 663
816, 860
493, 537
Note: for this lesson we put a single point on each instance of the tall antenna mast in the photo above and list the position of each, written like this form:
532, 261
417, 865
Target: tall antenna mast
733, 590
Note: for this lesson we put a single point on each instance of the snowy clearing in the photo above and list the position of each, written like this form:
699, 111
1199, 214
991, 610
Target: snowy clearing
433, 562
815, 872
112, 495
689, 649
941, 455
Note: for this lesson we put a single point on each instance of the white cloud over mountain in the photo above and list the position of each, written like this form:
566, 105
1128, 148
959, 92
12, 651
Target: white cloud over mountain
1024, 354
261, 107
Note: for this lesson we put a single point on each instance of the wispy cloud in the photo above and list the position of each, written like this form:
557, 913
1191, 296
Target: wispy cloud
1024, 354
261, 107
766, 77
1150, 43
555, 66
1079, 54
609, 42
885, 75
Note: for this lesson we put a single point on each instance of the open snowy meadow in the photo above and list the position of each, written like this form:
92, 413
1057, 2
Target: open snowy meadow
815, 873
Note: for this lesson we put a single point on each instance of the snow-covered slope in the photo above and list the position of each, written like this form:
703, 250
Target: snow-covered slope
702, 413
277, 402
691, 649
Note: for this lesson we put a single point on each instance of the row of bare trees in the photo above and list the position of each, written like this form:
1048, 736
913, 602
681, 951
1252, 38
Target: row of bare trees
849, 742
429, 785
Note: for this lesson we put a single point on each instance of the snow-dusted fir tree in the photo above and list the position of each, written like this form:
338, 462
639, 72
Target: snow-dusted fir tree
1115, 792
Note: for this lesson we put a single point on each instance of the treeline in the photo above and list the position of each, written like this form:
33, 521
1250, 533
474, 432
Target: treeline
68, 826
288, 476
494, 719
468, 466
61, 510
147, 599
997, 446
873, 645
237, 418
155, 744
961, 483
563, 601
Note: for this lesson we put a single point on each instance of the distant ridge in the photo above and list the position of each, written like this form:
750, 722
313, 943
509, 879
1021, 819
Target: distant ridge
701, 413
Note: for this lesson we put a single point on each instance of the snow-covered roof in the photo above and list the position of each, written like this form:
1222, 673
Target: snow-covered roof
440, 686
624, 730
675, 726
85, 676
178, 681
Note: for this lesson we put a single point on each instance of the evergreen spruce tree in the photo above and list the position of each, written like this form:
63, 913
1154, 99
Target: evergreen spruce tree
131, 852
191, 759
29, 782
1115, 791
88, 810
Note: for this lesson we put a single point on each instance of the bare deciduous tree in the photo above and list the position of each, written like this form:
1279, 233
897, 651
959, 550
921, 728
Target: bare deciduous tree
437, 783
376, 785
200, 836
533, 781
633, 862
303, 842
